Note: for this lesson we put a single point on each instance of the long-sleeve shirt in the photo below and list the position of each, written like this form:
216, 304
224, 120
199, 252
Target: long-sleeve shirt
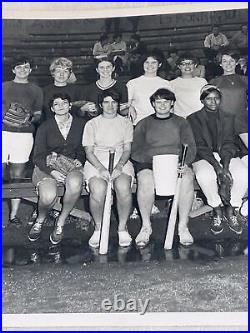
224, 137
211, 40
27, 95
155, 136
49, 139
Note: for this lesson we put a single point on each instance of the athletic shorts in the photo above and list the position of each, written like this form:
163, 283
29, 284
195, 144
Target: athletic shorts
139, 166
16, 147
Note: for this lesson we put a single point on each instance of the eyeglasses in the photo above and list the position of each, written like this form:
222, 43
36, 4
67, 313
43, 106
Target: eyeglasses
188, 63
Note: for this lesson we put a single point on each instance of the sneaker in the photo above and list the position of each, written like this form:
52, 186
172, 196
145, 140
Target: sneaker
15, 221
32, 218
143, 237
155, 210
35, 231
186, 239
124, 238
94, 241
57, 235
234, 225
216, 225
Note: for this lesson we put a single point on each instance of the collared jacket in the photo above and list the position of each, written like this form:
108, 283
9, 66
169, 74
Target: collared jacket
226, 136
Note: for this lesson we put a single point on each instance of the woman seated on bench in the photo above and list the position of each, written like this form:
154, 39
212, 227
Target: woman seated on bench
106, 131
62, 135
216, 160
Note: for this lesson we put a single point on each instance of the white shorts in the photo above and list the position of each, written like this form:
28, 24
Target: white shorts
16, 147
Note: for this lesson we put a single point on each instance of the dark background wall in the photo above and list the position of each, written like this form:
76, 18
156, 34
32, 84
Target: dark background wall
44, 40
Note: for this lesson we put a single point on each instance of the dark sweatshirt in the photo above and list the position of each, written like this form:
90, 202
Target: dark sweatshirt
49, 139
155, 136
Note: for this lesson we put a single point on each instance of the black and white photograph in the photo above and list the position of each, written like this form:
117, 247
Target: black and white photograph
125, 166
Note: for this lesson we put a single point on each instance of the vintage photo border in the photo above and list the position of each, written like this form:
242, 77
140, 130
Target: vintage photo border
98, 321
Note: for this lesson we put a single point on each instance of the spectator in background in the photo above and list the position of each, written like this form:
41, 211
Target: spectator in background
187, 87
240, 40
242, 66
173, 70
136, 50
61, 70
119, 52
213, 68
200, 70
102, 48
214, 42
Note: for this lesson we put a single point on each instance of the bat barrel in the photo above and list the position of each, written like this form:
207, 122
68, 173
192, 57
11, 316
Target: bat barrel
173, 215
104, 239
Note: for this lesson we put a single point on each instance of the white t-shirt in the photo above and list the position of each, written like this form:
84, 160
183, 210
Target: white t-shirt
187, 94
104, 133
140, 90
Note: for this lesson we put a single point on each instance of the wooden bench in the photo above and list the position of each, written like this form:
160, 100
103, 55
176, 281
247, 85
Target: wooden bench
26, 190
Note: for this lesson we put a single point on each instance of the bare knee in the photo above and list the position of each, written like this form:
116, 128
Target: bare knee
122, 186
145, 182
74, 182
17, 170
188, 181
97, 188
47, 192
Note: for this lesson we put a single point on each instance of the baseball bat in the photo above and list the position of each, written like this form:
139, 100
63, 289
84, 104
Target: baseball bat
173, 215
104, 237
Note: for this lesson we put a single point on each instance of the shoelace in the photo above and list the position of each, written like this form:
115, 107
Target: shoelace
234, 220
37, 226
217, 221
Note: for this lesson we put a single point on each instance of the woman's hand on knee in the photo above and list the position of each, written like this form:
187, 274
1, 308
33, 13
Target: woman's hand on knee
116, 172
104, 174
58, 176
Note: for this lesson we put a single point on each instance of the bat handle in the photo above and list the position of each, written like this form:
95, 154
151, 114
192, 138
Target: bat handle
184, 154
111, 160
183, 157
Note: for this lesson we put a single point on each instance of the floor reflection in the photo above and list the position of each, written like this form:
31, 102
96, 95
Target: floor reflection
70, 253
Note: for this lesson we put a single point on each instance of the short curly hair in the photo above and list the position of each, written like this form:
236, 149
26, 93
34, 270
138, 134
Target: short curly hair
61, 62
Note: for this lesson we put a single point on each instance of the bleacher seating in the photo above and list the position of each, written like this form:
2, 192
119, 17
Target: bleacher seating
45, 44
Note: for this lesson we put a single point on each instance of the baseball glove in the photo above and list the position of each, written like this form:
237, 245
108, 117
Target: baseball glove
224, 188
62, 163
17, 116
